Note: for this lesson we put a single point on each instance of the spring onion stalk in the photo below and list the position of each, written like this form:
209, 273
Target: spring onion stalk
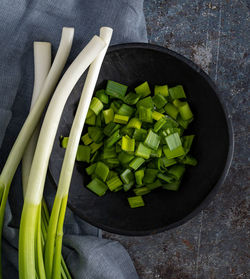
32, 120
55, 231
33, 197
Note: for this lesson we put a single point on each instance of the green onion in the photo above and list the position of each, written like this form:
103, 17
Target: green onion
111, 128
115, 105
134, 123
91, 169
166, 178
136, 201
86, 139
97, 186
126, 110
95, 146
131, 98
108, 152
146, 103
183, 123
116, 89
154, 185
177, 171
143, 89
125, 157
143, 151
113, 139
173, 141
114, 183
174, 186
140, 134
150, 175
159, 124
108, 115
141, 191
102, 96
96, 105
177, 92
101, 171
156, 153
125, 130
185, 111
128, 144
157, 115
145, 114
96, 134
111, 174
91, 120
171, 110
112, 162
188, 160
127, 187
83, 153
177, 152
165, 162
121, 119
152, 140
159, 101
95, 157
139, 176
161, 89
187, 142
127, 176
64, 142
136, 163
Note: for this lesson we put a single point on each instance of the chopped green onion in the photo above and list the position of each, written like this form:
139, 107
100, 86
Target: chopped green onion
114, 183
95, 146
171, 110
91, 120
128, 144
145, 114
83, 153
136, 163
113, 139
143, 151
128, 186
96, 134
159, 101
136, 201
90, 113
111, 174
101, 171
140, 134
183, 123
146, 103
91, 169
98, 187
126, 110
188, 160
152, 140
116, 89
139, 176
174, 186
177, 92
64, 142
156, 153
187, 142
159, 124
111, 128
141, 191
112, 162
131, 98
170, 123
166, 178
96, 105
157, 115
127, 176
177, 171
108, 152
173, 141
95, 157
154, 185
143, 89
102, 96
165, 162
150, 175
134, 123
108, 115
121, 119
86, 139
125, 157
179, 151
125, 130
161, 89
185, 111
115, 105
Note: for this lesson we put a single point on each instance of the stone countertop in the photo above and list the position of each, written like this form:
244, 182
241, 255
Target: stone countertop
214, 244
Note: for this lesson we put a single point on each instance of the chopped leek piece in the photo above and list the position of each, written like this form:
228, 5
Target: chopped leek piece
134, 123
177, 92
114, 183
98, 187
143, 89
116, 89
179, 151
86, 139
174, 186
64, 142
121, 119
101, 171
96, 105
113, 139
171, 110
83, 153
127, 176
157, 115
145, 114
136, 163
140, 134
139, 176
143, 151
102, 96
152, 140
161, 89
136, 201
126, 110
177, 171
141, 191
96, 134
159, 101
173, 141
131, 98
128, 144
108, 115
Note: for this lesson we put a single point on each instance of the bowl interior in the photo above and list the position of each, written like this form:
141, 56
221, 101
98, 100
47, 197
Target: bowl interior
132, 65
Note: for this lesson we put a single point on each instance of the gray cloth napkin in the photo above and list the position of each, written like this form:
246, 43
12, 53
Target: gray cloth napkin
88, 256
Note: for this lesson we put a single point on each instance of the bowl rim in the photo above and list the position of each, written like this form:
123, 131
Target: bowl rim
206, 201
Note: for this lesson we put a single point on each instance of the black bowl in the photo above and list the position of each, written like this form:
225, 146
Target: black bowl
132, 64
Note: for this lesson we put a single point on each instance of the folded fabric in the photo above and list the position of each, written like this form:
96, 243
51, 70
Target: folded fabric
22, 22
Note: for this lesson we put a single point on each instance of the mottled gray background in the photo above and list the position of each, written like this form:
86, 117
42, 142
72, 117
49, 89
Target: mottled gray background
215, 35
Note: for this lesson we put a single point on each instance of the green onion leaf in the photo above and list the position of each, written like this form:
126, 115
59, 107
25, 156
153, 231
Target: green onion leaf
143, 89
136, 201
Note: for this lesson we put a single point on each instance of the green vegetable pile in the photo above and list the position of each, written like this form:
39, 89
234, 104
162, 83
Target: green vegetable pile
135, 141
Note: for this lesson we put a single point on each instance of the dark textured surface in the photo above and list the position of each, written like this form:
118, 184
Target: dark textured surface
215, 243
